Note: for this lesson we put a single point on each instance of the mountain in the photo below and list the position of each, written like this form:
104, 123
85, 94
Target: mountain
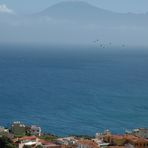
75, 22
74, 10
84, 12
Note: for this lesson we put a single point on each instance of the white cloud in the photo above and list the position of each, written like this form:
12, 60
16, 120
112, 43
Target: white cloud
5, 9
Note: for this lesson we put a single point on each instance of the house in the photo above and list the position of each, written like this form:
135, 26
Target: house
115, 140
47, 144
18, 129
136, 142
3, 130
140, 132
35, 130
27, 141
99, 140
66, 141
87, 144
128, 141
100, 143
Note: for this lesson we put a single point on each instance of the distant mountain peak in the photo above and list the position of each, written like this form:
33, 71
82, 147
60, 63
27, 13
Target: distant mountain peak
74, 10
71, 5
74, 3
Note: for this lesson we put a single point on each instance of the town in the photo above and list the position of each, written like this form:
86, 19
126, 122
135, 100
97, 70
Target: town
19, 135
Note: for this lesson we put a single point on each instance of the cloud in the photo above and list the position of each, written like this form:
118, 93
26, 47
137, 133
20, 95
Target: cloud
5, 9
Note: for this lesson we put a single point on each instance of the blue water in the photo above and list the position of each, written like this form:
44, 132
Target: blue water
74, 92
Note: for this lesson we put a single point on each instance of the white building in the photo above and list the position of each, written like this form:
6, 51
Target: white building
35, 130
28, 141
3, 130
67, 140
140, 132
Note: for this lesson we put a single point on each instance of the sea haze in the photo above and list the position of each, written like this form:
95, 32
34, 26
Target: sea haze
74, 90
74, 23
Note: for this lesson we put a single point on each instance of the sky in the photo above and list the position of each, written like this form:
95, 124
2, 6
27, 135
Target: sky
32, 6
61, 26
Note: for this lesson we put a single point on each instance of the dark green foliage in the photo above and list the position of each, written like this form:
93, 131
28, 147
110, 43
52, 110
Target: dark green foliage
48, 137
39, 146
26, 146
18, 130
84, 136
6, 142
28, 132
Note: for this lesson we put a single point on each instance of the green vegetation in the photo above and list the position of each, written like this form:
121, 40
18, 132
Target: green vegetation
25, 146
48, 137
6, 143
84, 136
39, 146
18, 130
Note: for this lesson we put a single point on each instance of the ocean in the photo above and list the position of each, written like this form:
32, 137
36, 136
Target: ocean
74, 90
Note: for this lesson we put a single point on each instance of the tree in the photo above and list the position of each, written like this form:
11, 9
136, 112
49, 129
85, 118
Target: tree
5, 142
39, 146
26, 146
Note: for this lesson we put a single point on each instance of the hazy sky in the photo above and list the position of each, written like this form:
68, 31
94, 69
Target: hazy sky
31, 6
74, 27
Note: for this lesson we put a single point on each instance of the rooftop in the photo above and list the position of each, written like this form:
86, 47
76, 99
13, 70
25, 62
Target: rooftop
28, 138
89, 143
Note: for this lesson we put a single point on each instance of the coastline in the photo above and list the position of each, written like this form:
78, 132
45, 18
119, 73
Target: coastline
19, 135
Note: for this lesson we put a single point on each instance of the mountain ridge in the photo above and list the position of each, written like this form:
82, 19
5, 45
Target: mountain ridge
76, 4
84, 12
74, 10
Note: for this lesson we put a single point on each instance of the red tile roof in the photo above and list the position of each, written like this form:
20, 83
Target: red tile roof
28, 138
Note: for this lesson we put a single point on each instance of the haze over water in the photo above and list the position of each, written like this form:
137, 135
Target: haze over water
74, 90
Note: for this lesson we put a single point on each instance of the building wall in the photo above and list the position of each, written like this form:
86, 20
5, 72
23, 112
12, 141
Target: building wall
141, 133
116, 141
35, 131
18, 130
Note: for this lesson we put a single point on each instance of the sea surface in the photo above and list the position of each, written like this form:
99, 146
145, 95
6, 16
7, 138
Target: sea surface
74, 90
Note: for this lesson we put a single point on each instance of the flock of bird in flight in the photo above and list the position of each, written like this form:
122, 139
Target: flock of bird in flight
102, 45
